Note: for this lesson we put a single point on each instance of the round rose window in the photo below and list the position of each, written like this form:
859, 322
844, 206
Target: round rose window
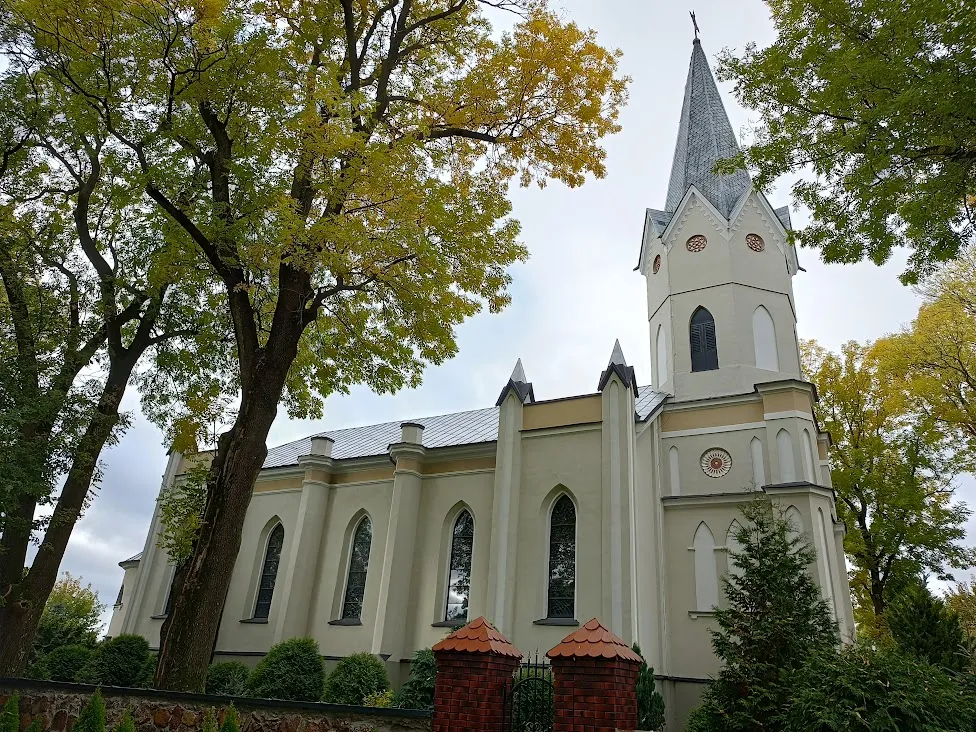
716, 462
755, 242
657, 264
696, 243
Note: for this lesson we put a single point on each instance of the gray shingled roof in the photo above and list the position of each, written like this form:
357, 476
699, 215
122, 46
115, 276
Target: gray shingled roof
134, 558
705, 136
462, 428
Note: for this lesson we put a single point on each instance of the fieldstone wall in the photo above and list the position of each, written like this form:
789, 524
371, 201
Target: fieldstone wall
57, 705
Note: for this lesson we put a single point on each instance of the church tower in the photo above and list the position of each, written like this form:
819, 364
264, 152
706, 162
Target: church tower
718, 264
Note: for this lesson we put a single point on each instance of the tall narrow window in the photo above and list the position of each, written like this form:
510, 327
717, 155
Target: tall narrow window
352, 605
118, 600
269, 572
704, 347
764, 340
662, 357
562, 560
784, 446
459, 581
706, 572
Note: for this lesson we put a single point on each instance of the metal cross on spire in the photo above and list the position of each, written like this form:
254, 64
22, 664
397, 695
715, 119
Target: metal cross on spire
694, 22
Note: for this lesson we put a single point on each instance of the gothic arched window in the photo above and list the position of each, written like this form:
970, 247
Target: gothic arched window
269, 572
459, 580
352, 604
562, 560
704, 348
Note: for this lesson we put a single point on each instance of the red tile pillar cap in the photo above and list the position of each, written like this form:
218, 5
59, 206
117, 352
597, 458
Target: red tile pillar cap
593, 640
478, 636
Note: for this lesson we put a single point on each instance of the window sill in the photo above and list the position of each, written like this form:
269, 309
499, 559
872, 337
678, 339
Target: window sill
694, 614
557, 621
346, 621
449, 623
159, 617
256, 621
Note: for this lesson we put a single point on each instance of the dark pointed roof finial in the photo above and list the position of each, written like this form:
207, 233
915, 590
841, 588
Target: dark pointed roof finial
694, 22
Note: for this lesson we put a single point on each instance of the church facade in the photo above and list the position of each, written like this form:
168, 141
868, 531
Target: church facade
619, 504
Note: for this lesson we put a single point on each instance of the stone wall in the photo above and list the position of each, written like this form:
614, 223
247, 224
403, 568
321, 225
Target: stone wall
57, 705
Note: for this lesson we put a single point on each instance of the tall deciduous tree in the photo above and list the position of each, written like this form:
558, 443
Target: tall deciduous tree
874, 99
893, 470
83, 298
71, 617
339, 170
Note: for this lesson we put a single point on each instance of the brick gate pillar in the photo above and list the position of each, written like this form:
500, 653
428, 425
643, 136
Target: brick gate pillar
595, 687
475, 666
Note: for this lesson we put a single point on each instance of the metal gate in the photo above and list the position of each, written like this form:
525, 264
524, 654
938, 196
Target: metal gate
528, 699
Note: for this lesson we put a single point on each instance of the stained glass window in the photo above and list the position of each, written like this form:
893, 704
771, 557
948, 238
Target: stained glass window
352, 605
459, 582
269, 572
562, 560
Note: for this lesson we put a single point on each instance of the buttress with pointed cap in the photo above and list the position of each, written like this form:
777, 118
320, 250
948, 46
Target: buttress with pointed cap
705, 136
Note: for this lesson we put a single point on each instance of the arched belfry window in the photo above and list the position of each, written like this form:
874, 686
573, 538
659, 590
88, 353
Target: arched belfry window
459, 581
704, 348
362, 538
269, 572
561, 599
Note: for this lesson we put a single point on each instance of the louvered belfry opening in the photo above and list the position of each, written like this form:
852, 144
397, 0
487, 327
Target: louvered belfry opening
704, 348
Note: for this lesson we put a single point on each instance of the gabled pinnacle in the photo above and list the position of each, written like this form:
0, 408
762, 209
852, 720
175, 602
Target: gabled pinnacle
705, 136
617, 355
518, 373
518, 383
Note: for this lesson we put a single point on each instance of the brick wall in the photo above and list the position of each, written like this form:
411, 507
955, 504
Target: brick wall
57, 706
594, 694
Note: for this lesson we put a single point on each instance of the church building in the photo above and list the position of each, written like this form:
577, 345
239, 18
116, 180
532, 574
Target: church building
620, 504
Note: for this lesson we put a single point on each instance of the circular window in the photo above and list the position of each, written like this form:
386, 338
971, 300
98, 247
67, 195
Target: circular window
755, 242
657, 264
716, 462
696, 243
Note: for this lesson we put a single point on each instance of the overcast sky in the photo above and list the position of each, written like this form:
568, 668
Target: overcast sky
576, 294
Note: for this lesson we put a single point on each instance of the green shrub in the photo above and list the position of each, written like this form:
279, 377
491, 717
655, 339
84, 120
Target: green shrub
209, 721
228, 678
147, 676
35, 725
532, 698
291, 670
92, 717
417, 691
231, 720
379, 699
10, 716
126, 724
865, 688
120, 661
650, 703
354, 678
66, 662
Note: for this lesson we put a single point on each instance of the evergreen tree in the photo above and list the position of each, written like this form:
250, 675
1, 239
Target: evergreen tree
10, 715
924, 626
775, 620
650, 703
92, 717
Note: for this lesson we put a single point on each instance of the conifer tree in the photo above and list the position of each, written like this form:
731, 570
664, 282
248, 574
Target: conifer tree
923, 626
775, 620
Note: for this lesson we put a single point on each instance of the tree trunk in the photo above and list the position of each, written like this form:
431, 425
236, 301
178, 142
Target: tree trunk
21, 613
189, 633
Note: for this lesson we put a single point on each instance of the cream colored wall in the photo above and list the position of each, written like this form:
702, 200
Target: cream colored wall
348, 503
441, 500
267, 509
571, 459
120, 611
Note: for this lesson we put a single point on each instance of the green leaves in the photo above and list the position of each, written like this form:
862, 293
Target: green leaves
869, 99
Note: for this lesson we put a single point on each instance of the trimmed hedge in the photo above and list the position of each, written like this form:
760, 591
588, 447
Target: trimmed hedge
228, 678
120, 661
292, 670
355, 678
66, 662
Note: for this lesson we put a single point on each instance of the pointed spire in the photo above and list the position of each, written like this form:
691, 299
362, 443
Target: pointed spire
518, 383
617, 356
705, 136
618, 365
518, 373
